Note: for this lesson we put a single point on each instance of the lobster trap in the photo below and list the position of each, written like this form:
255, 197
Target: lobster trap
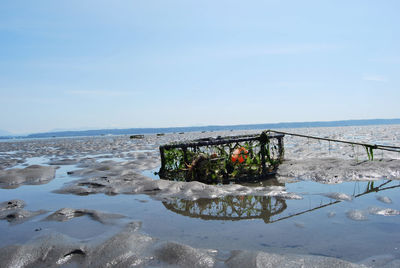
223, 159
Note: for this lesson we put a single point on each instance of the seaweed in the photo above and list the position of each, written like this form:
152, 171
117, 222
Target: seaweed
370, 152
222, 160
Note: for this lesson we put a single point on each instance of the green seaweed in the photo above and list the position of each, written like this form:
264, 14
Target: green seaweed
217, 164
370, 152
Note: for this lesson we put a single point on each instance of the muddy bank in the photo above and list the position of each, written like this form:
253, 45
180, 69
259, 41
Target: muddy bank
31, 175
67, 151
112, 178
335, 170
8, 162
66, 214
165, 190
130, 248
13, 212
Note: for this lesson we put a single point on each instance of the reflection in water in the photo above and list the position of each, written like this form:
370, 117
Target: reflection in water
233, 208
251, 207
229, 207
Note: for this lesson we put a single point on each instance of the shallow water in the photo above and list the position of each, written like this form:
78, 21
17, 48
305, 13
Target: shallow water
333, 220
317, 224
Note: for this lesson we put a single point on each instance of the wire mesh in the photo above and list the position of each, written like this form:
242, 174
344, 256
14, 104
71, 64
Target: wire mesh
222, 160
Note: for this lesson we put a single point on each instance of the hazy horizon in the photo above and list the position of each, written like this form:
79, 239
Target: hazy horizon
350, 122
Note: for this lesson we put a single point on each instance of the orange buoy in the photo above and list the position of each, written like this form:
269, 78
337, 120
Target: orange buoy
239, 154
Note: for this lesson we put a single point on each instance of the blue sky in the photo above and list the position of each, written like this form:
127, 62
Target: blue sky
121, 64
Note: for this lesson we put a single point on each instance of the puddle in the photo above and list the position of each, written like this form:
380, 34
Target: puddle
99, 155
9, 153
144, 151
152, 173
31, 161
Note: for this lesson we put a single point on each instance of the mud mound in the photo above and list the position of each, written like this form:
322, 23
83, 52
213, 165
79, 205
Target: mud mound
31, 175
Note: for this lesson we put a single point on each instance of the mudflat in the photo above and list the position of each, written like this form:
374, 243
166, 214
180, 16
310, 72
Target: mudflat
95, 202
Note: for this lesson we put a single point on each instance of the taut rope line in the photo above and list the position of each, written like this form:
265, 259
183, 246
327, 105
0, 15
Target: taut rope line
373, 146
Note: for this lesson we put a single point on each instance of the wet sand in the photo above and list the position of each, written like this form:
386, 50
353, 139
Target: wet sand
64, 202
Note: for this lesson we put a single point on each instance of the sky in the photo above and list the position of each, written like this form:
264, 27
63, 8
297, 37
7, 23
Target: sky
125, 64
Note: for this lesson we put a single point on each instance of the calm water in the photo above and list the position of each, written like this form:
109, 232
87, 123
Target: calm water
315, 225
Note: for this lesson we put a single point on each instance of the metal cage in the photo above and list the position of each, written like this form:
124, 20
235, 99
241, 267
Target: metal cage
223, 159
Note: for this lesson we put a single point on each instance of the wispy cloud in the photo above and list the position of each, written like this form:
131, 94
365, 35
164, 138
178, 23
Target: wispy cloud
292, 49
375, 78
101, 93
260, 50
228, 51
19, 100
388, 59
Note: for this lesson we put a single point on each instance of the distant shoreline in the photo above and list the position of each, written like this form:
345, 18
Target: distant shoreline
129, 131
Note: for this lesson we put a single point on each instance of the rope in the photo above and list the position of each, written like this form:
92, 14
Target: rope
373, 146
375, 189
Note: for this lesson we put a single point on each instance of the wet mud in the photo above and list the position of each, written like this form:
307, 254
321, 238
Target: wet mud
66, 214
118, 178
31, 175
131, 248
13, 212
333, 170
